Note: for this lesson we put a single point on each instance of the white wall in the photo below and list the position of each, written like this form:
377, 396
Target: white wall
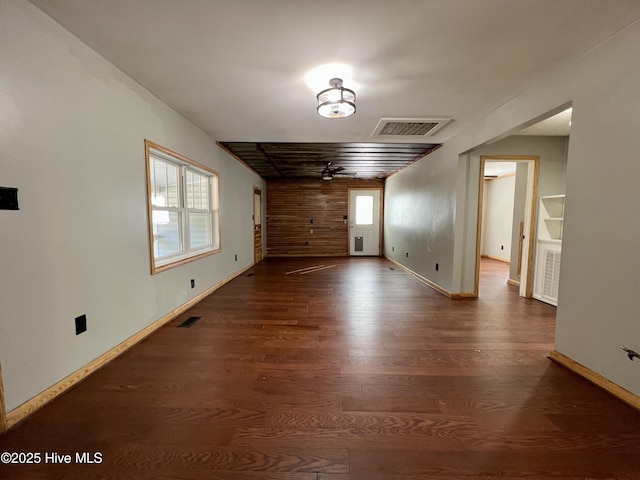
72, 130
497, 209
551, 150
598, 300
419, 217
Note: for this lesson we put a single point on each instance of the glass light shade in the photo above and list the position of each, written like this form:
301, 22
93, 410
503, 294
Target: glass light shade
337, 101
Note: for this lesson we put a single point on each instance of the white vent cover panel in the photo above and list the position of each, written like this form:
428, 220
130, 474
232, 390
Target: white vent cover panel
409, 127
551, 275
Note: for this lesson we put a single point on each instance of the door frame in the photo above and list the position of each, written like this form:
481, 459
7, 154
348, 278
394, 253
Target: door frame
380, 220
531, 210
257, 191
3, 410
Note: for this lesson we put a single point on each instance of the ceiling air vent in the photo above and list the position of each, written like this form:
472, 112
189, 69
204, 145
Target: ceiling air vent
409, 127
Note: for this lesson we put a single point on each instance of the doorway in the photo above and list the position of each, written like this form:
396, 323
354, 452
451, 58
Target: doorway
364, 222
522, 221
257, 224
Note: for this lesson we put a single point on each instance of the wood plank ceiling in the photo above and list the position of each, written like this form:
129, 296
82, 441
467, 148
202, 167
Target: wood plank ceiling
307, 160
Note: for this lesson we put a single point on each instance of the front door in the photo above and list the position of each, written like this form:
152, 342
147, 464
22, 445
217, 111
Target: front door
364, 222
257, 225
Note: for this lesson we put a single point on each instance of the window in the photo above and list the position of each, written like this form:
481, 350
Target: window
364, 210
183, 203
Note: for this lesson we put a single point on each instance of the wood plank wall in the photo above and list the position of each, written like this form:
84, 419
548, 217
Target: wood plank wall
292, 204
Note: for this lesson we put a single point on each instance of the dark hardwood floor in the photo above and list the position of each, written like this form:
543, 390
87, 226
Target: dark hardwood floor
354, 372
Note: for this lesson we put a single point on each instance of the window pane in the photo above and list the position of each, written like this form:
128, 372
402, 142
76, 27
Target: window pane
164, 184
215, 239
166, 233
215, 230
364, 210
199, 230
197, 191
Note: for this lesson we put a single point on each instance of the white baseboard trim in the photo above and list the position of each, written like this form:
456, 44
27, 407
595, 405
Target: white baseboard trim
435, 286
30, 406
616, 390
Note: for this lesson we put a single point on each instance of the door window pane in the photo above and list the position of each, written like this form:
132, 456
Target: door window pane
364, 210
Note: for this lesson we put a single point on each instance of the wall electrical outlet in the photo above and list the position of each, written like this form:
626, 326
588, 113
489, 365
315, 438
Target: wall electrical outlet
8, 198
81, 324
193, 283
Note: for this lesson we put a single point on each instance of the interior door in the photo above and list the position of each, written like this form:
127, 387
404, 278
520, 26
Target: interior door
364, 222
257, 225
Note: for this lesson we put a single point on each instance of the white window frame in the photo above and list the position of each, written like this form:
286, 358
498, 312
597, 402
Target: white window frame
186, 253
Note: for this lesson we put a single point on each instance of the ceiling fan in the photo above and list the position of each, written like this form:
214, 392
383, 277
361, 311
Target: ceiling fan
328, 172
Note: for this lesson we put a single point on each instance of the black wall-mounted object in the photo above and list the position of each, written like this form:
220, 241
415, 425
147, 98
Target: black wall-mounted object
8, 198
630, 353
81, 324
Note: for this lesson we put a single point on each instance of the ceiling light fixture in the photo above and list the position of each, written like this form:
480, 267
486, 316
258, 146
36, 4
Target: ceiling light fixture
328, 173
337, 101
